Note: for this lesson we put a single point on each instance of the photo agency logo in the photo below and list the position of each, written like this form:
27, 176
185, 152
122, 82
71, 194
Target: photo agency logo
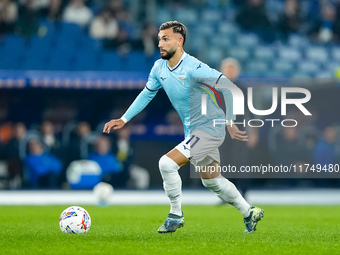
238, 103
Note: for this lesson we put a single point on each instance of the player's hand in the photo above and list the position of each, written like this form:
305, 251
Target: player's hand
236, 134
113, 124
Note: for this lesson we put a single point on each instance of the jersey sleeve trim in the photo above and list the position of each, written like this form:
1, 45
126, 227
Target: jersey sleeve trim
152, 90
219, 77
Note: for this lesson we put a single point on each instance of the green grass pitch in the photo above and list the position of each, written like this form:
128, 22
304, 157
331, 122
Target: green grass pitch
207, 230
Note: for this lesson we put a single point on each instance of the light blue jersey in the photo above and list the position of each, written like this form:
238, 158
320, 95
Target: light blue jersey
184, 86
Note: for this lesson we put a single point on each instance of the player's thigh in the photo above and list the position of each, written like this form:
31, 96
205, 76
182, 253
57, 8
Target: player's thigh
210, 171
181, 153
178, 157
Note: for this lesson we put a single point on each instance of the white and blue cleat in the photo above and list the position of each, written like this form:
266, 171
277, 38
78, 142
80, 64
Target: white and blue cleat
256, 214
172, 223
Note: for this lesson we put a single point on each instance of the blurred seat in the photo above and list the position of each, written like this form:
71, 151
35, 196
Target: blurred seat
186, 15
60, 60
240, 53
317, 54
214, 56
289, 54
283, 67
257, 68
223, 42
227, 29
70, 30
66, 43
324, 74
86, 60
39, 44
301, 75
298, 41
14, 43
35, 60
335, 53
331, 66
136, 61
211, 16
13, 48
89, 43
163, 15
248, 40
205, 30
11, 59
110, 61
264, 53
308, 67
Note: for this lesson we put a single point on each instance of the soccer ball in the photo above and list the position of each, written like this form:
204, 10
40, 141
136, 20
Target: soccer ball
103, 191
75, 220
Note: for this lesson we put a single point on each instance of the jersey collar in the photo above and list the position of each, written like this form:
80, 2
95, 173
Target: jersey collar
179, 62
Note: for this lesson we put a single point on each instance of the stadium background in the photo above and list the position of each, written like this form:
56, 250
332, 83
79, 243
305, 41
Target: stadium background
63, 72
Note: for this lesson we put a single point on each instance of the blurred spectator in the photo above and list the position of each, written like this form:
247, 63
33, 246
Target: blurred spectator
230, 68
8, 16
53, 11
104, 26
115, 7
49, 138
326, 151
111, 168
149, 40
121, 42
28, 23
12, 147
36, 4
77, 12
43, 168
337, 9
288, 149
12, 152
135, 176
6, 131
83, 129
253, 17
290, 20
123, 145
326, 29
124, 22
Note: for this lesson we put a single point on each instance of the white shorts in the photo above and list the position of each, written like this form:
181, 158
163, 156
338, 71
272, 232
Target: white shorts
200, 148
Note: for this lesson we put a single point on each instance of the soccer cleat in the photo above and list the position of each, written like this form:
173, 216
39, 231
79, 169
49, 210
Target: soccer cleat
255, 215
172, 223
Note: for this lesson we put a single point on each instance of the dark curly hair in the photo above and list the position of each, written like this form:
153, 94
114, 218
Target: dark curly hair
177, 27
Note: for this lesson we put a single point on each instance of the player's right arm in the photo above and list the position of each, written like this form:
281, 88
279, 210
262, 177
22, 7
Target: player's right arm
141, 101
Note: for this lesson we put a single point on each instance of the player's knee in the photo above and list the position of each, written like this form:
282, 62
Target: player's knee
213, 184
167, 164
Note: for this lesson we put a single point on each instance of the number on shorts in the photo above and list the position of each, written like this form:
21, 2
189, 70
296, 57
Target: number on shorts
194, 143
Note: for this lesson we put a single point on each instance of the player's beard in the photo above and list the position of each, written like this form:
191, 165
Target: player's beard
168, 54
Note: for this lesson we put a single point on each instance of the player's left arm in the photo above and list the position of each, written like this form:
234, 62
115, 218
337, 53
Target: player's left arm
211, 73
233, 130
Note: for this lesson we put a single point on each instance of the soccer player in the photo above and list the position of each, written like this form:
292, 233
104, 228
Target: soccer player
181, 76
